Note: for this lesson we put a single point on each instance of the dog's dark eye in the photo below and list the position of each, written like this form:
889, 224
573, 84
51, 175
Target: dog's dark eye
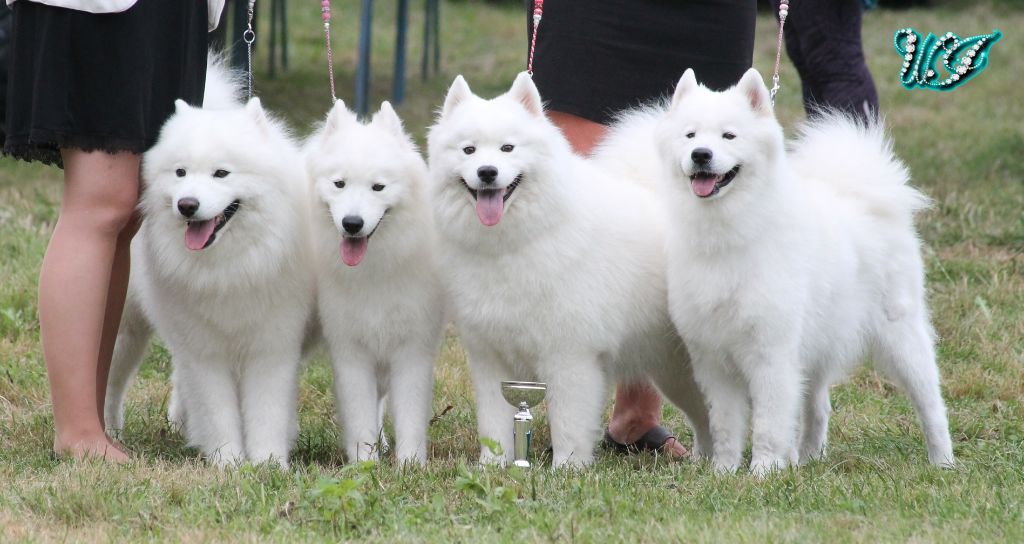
469, 150
221, 174
340, 184
507, 148
728, 135
691, 134
378, 187
180, 172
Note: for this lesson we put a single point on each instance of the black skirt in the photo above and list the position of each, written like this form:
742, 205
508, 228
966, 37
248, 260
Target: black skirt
596, 58
102, 82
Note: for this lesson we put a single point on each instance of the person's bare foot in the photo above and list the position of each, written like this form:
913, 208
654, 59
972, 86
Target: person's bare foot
91, 446
673, 448
118, 446
636, 416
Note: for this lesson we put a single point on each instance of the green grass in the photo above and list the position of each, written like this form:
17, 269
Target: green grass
966, 150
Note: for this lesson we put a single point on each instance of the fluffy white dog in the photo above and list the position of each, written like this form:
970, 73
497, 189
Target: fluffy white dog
786, 270
555, 271
221, 272
379, 294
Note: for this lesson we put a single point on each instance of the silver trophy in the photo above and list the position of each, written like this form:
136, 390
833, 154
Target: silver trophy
523, 395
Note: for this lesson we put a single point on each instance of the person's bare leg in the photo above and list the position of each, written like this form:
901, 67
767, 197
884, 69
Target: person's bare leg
637, 408
583, 134
100, 194
117, 291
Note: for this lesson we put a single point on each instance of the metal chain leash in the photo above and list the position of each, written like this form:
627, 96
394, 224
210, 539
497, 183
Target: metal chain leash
783, 12
249, 36
325, 11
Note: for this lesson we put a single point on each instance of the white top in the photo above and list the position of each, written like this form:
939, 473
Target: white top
213, 7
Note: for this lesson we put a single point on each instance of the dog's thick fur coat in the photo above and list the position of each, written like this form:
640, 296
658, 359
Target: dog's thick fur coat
555, 271
380, 299
225, 282
785, 269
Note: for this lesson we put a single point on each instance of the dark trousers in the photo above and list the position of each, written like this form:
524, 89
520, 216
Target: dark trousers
823, 41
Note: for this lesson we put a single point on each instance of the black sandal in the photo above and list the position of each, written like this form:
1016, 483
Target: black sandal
653, 440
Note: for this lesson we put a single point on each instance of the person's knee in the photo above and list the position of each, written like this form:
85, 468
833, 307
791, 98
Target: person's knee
107, 215
111, 214
101, 191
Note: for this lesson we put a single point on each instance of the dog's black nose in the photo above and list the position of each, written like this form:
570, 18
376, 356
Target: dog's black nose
487, 174
352, 223
188, 206
701, 155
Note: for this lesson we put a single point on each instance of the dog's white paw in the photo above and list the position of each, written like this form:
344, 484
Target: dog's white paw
762, 468
226, 458
723, 467
944, 461
572, 461
489, 458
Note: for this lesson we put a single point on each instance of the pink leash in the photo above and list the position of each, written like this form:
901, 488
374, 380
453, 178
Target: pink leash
538, 12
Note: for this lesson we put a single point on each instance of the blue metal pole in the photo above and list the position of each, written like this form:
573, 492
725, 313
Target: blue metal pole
363, 69
425, 60
284, 35
398, 85
273, 38
437, 35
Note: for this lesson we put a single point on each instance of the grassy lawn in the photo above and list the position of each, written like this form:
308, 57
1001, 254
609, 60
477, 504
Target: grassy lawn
965, 149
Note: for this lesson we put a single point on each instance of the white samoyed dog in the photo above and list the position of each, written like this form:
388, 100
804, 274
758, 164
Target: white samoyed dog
220, 270
379, 294
556, 272
786, 270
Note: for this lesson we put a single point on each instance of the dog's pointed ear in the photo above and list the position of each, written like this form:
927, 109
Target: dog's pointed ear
525, 91
388, 120
338, 117
687, 84
180, 106
457, 93
255, 110
754, 90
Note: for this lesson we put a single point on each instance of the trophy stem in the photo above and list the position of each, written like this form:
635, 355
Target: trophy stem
522, 395
522, 435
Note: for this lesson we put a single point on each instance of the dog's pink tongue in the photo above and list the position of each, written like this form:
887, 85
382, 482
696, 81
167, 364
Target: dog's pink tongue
703, 185
354, 249
198, 233
490, 204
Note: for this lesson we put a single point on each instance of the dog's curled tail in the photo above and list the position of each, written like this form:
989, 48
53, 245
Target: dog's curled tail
857, 159
629, 151
223, 84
